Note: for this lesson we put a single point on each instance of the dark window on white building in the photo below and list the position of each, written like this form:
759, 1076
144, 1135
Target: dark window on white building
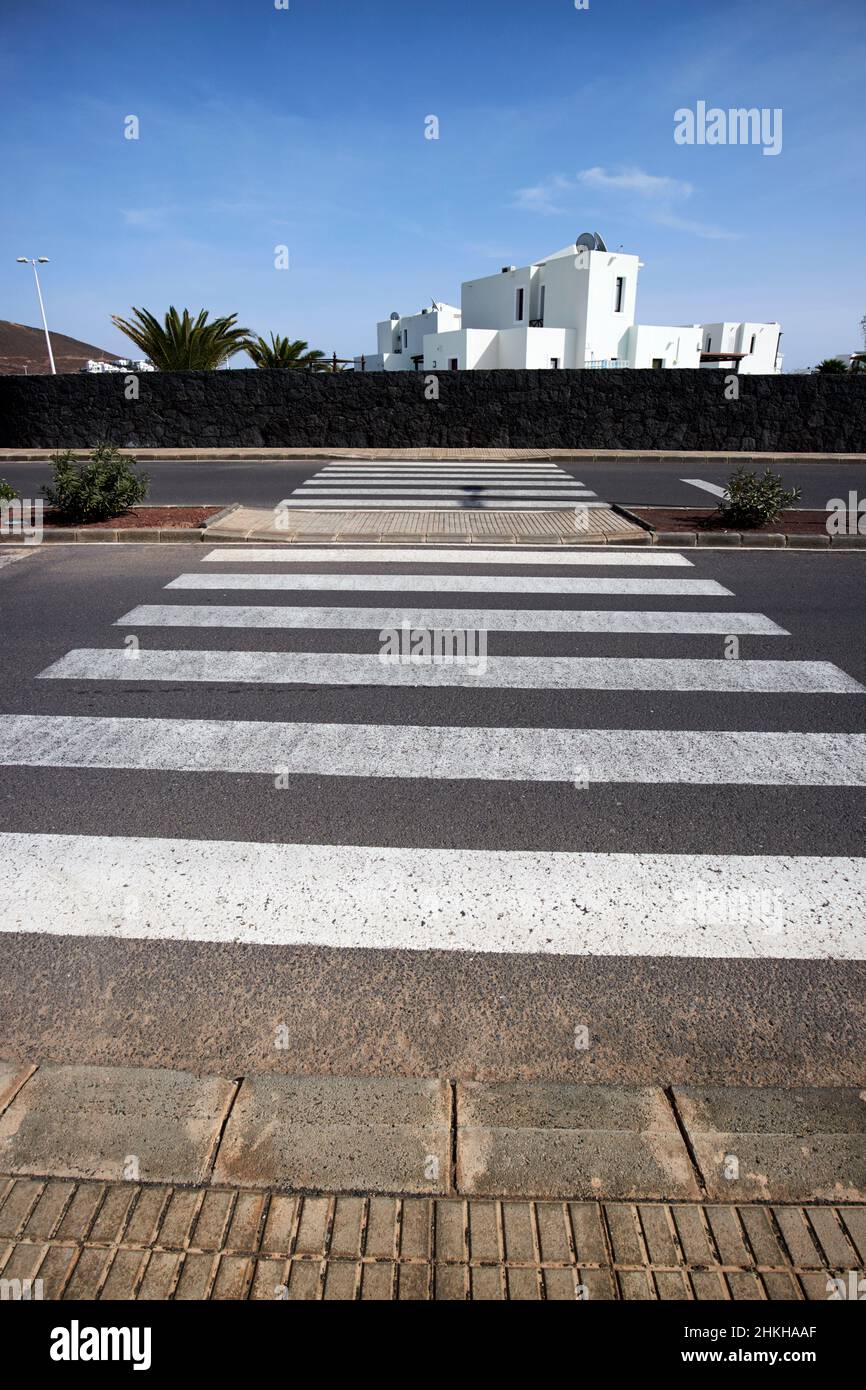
518, 307
620, 294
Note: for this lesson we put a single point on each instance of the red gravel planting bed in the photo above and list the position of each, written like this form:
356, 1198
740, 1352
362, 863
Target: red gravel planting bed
791, 523
166, 518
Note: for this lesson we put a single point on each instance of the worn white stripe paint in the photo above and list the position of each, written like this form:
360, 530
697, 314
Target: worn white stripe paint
343, 502
441, 479
707, 487
463, 555
737, 906
386, 490
498, 673
542, 474
485, 754
434, 466
485, 619
457, 584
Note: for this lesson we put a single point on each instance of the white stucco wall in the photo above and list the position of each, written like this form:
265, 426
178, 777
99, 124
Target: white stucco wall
404, 337
574, 293
491, 301
677, 345
473, 348
738, 337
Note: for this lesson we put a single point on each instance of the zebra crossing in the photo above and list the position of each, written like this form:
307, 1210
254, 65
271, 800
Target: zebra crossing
297, 655
508, 486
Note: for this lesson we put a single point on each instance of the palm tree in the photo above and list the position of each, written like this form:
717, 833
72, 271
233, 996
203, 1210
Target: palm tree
184, 344
830, 365
282, 352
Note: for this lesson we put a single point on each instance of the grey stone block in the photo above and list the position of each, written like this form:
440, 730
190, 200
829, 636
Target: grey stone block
563, 1140
773, 1144
677, 538
86, 1122
764, 539
344, 1133
808, 542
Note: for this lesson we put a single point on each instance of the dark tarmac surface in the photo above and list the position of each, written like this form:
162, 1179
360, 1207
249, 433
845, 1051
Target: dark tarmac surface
216, 1007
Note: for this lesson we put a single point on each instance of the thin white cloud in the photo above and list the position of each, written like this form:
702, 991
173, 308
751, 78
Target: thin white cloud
657, 195
636, 181
685, 224
546, 196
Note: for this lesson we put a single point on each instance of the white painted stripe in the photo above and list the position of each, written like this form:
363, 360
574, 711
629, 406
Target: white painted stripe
737, 906
444, 470
707, 487
410, 751
434, 466
345, 503
470, 493
435, 555
508, 478
485, 619
456, 584
498, 673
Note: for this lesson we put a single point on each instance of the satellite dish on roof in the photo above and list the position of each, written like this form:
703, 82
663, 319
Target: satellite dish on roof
394, 317
591, 240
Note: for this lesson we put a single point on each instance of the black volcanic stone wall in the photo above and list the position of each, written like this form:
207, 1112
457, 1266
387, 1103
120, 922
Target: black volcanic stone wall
519, 409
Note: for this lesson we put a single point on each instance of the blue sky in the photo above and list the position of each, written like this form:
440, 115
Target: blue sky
305, 127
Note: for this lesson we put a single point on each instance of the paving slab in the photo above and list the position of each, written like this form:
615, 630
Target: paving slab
350, 1133
12, 1078
109, 1122
558, 525
774, 1144
563, 1140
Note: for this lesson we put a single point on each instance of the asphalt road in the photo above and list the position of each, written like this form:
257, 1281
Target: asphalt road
634, 483
350, 1008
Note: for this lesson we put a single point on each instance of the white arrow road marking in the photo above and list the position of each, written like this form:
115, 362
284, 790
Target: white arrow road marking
707, 487
710, 906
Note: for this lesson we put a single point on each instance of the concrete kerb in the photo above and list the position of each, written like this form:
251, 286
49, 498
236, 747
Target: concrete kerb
403, 1135
664, 540
276, 455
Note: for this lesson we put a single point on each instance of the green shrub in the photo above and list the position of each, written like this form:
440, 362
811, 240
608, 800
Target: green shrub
96, 488
753, 500
7, 491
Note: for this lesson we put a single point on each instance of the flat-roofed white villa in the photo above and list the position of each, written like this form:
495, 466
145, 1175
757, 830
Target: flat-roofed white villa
575, 308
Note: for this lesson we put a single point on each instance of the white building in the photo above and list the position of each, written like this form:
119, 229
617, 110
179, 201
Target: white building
573, 309
120, 364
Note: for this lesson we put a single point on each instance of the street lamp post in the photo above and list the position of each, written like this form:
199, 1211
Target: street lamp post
42, 260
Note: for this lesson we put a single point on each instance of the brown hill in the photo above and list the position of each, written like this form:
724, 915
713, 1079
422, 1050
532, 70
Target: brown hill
23, 349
